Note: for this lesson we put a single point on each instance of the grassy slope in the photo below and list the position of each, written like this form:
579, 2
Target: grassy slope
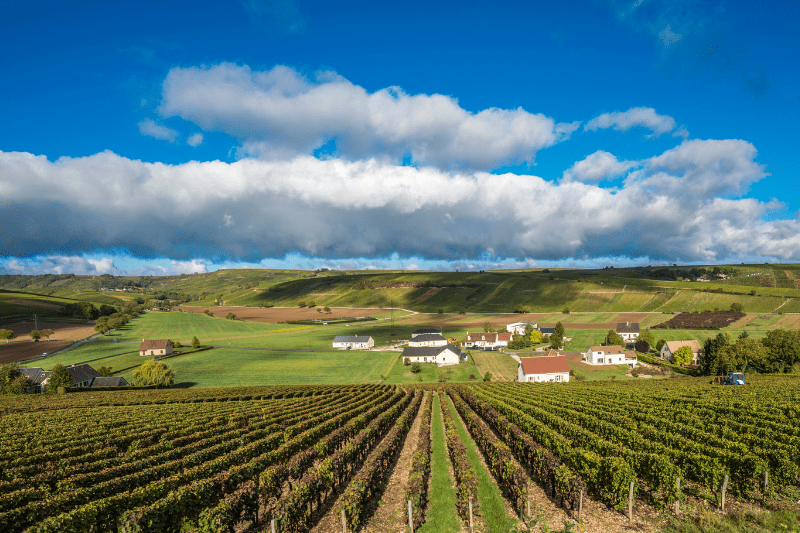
502, 366
401, 374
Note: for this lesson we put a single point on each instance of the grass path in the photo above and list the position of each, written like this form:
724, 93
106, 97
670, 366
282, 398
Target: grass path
493, 507
441, 516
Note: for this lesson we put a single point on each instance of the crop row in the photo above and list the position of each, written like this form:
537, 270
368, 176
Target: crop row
417, 489
466, 480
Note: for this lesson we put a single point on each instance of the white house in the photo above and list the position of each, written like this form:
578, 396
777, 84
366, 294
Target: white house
670, 347
426, 331
356, 342
610, 355
543, 369
629, 331
155, 347
481, 340
441, 355
504, 337
518, 328
427, 339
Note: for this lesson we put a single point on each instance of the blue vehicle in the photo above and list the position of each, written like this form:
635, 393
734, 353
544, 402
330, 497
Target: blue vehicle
731, 378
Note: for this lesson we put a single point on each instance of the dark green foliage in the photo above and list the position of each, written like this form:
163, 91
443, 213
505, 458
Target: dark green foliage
11, 380
59, 377
613, 339
195, 342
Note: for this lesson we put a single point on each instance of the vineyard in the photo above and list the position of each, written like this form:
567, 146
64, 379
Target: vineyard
295, 457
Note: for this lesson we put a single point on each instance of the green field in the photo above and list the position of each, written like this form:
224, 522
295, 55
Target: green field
401, 374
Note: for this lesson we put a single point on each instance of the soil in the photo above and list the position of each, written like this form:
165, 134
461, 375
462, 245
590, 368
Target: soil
276, 315
23, 347
701, 320
35, 303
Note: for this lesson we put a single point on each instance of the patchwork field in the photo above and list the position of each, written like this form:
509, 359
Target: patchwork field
23, 347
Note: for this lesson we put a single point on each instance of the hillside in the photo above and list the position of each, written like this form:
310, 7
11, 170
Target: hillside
758, 288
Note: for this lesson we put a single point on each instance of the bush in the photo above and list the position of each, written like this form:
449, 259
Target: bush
487, 376
522, 309
153, 373
416, 368
406, 361
195, 342
231, 316
565, 310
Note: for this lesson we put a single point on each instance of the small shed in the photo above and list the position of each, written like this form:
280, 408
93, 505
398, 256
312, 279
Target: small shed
155, 347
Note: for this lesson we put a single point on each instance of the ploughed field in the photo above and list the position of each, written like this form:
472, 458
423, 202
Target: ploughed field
306, 456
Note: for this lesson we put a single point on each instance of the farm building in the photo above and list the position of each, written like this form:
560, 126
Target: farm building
82, 375
427, 339
548, 368
155, 347
670, 347
504, 337
355, 342
36, 376
481, 340
610, 355
518, 328
441, 355
629, 331
426, 331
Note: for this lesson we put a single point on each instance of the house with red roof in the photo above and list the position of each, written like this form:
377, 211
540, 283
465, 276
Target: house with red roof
547, 368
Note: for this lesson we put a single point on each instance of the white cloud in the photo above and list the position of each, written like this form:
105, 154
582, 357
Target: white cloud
645, 117
152, 129
669, 37
279, 114
195, 266
680, 204
195, 140
597, 167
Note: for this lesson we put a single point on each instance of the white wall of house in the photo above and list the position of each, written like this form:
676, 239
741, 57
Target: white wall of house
556, 377
601, 357
444, 358
629, 337
420, 344
355, 345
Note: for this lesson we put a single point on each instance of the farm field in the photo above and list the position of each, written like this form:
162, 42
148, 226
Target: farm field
167, 460
502, 366
430, 373
23, 347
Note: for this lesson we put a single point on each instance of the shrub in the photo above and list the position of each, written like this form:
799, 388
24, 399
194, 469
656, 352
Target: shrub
195, 342
487, 376
565, 310
407, 361
153, 373
416, 368
231, 316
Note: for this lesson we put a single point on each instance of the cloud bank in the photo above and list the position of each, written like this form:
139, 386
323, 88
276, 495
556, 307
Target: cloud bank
278, 114
683, 204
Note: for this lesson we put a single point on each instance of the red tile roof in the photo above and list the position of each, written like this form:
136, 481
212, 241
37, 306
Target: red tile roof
476, 337
544, 365
504, 336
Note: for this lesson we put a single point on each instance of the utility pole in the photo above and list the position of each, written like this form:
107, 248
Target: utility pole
35, 322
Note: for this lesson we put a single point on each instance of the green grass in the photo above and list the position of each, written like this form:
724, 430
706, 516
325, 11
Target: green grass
603, 374
492, 507
114, 355
502, 366
441, 516
230, 367
430, 373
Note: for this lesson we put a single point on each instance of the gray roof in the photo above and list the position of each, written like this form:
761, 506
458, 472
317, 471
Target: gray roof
428, 351
547, 331
110, 381
34, 374
347, 338
423, 331
82, 372
427, 337
628, 327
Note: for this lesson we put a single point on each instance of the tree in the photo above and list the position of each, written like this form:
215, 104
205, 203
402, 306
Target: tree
195, 342
35, 335
535, 336
647, 336
709, 357
175, 344
487, 376
7, 334
736, 307
641, 346
105, 371
522, 309
59, 377
742, 354
557, 338
11, 380
406, 361
683, 356
153, 373
231, 316
565, 310
301, 304
101, 328
660, 344
312, 303
487, 327
319, 310
784, 348
416, 368
327, 309
613, 339
47, 333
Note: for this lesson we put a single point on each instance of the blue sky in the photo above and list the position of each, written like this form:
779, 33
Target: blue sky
151, 138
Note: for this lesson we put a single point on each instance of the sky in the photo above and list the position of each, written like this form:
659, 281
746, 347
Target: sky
152, 138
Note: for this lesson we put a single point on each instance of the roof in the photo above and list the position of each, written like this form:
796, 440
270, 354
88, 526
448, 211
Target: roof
504, 336
544, 365
488, 337
82, 372
525, 323
428, 351
613, 349
423, 331
352, 338
692, 344
34, 374
427, 337
110, 381
153, 344
547, 331
628, 327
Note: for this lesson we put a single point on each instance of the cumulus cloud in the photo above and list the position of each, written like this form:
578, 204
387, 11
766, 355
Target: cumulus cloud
279, 113
152, 129
645, 117
685, 203
597, 167
195, 140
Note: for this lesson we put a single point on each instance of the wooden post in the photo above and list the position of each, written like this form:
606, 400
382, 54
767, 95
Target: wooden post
470, 515
678, 501
580, 507
272, 526
344, 523
724, 490
410, 517
528, 505
630, 502
766, 480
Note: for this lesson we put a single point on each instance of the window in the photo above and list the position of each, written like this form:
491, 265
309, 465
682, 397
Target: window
600, 361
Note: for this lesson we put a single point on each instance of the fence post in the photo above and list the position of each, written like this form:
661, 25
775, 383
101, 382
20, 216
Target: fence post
724, 490
678, 501
580, 507
630, 502
344, 523
766, 480
272, 526
410, 517
470, 515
